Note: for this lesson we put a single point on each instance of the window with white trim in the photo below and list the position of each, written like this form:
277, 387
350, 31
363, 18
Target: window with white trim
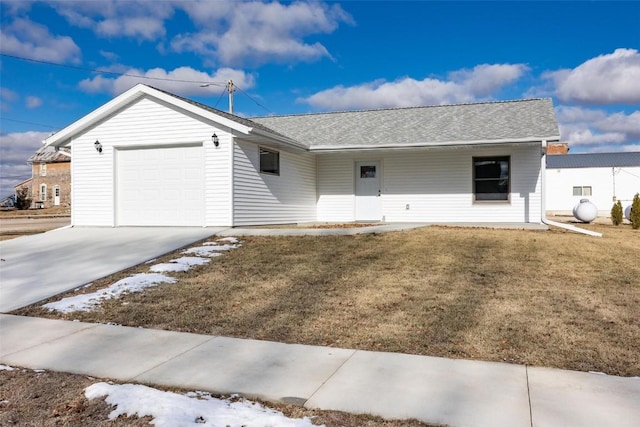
43, 192
491, 178
43, 169
582, 191
269, 161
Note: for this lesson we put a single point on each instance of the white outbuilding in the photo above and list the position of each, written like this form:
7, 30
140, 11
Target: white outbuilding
603, 178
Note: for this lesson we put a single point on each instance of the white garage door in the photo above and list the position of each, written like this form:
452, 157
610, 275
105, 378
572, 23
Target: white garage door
160, 186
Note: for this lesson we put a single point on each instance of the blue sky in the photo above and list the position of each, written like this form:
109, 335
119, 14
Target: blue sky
299, 57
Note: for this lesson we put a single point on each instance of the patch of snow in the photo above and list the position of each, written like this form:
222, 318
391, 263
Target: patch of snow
208, 251
216, 247
5, 368
229, 239
89, 301
179, 264
172, 409
151, 260
39, 371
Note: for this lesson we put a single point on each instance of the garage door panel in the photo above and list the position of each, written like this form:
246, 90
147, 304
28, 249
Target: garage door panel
160, 186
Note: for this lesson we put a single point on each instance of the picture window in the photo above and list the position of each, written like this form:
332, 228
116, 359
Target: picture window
491, 178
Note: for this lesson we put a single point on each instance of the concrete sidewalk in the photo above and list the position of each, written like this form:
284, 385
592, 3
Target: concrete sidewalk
436, 390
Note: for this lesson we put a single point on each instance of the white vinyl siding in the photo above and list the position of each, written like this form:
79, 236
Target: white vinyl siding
217, 190
144, 123
436, 186
92, 176
336, 186
273, 199
560, 197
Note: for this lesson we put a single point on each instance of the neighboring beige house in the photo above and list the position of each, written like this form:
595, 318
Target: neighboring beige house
50, 182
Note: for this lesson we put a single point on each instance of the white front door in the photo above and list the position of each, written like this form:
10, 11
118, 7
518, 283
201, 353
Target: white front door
368, 200
56, 196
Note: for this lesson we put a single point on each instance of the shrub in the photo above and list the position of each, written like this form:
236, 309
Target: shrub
23, 201
616, 213
635, 212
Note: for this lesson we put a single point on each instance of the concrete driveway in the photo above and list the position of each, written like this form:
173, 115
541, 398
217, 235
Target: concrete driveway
39, 266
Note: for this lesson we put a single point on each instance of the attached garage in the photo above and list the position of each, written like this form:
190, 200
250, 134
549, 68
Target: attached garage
160, 186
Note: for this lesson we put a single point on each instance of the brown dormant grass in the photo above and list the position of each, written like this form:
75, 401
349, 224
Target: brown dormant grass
48, 398
542, 298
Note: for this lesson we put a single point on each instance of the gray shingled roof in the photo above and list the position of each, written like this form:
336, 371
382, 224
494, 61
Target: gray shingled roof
524, 120
593, 160
49, 154
241, 120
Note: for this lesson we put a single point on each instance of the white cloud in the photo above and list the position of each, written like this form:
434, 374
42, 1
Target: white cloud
227, 32
15, 149
143, 20
184, 81
606, 79
33, 101
7, 96
26, 38
461, 86
584, 127
256, 32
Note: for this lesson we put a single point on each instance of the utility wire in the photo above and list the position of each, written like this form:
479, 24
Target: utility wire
251, 98
97, 70
113, 73
28, 123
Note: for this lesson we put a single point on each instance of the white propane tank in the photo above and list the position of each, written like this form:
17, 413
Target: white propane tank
585, 211
627, 213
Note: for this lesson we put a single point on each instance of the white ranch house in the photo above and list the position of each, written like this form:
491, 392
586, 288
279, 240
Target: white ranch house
148, 158
603, 178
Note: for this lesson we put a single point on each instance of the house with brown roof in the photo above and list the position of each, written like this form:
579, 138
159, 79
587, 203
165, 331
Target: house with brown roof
50, 182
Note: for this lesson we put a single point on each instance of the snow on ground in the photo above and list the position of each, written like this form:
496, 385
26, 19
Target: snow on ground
139, 282
5, 368
179, 264
195, 408
89, 301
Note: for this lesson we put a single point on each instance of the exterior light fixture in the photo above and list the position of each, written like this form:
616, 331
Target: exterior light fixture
215, 140
98, 146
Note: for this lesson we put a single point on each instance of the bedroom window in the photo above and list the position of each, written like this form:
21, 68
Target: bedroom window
491, 178
43, 169
582, 191
269, 161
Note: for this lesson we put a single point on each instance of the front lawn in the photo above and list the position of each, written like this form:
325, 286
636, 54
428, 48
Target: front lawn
553, 298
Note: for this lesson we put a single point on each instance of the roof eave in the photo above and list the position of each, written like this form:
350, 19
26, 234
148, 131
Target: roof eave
439, 144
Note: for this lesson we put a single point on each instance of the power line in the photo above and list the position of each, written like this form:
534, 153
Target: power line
97, 70
29, 123
113, 73
256, 102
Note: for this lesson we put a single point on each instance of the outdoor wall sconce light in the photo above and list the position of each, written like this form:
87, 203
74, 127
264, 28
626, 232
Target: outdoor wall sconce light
98, 146
215, 139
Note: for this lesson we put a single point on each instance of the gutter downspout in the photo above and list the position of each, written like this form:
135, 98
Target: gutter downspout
543, 213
